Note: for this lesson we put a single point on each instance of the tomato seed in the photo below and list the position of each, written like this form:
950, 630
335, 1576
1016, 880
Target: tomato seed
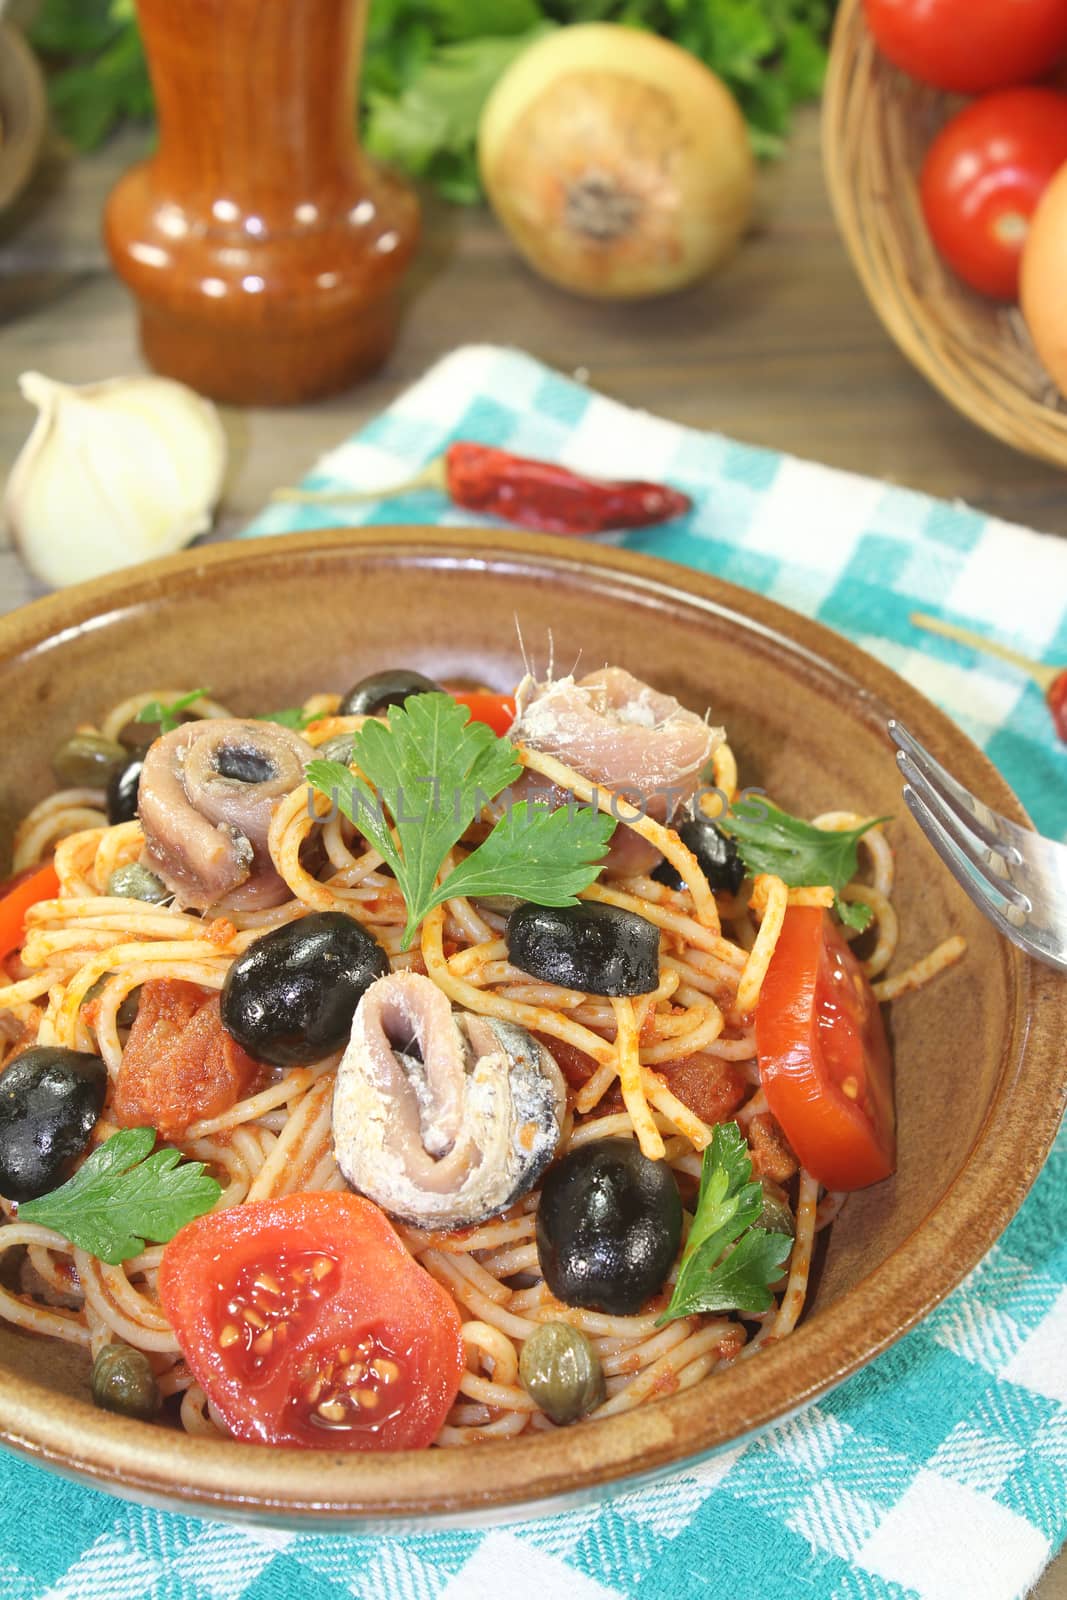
367, 1399
344, 1355
253, 1318
321, 1267
229, 1335
314, 1391
267, 1280
353, 1373
332, 1410
264, 1343
386, 1370
850, 1087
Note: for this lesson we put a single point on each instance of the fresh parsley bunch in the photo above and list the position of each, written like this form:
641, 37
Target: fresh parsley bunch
430, 65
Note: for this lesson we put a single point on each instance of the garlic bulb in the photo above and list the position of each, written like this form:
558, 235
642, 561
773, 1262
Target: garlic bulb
113, 473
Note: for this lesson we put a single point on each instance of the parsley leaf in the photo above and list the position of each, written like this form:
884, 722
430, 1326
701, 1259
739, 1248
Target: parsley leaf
430, 127
122, 1196
169, 716
853, 913
432, 771
290, 717
536, 854
770, 840
728, 1204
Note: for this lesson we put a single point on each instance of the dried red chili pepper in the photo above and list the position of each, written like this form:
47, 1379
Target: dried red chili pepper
1052, 681
533, 494
537, 494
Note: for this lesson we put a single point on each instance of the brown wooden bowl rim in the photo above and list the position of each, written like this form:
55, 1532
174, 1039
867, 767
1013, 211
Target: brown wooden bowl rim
542, 1474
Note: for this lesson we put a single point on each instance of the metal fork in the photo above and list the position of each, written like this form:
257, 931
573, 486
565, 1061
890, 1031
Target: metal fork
1018, 879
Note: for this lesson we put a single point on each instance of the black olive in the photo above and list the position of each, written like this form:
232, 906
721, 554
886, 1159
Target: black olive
290, 999
50, 1099
122, 792
608, 1227
123, 1381
716, 851
383, 689
593, 947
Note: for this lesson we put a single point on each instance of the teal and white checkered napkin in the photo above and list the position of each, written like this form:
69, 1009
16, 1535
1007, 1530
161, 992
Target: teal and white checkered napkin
940, 1471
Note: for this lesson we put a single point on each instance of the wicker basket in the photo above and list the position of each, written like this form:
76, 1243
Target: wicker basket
877, 126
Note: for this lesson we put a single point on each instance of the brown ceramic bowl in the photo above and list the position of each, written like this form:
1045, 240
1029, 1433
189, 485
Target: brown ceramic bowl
980, 1065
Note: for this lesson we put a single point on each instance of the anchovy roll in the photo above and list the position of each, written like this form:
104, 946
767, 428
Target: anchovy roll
207, 792
443, 1119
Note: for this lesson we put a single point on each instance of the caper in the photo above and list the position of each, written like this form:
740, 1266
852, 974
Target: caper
502, 904
134, 882
88, 760
95, 990
340, 748
777, 1215
560, 1369
127, 1011
123, 1381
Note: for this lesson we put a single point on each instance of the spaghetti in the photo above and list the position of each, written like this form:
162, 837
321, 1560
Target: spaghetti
87, 952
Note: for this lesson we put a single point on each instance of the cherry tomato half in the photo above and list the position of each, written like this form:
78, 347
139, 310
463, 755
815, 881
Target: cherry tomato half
823, 1057
983, 177
17, 895
306, 1322
497, 710
969, 46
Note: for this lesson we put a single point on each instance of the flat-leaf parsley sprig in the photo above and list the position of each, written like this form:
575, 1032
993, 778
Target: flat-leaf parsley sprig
169, 716
122, 1196
294, 717
424, 776
728, 1263
770, 840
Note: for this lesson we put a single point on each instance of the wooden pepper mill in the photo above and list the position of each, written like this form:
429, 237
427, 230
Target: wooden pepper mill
264, 248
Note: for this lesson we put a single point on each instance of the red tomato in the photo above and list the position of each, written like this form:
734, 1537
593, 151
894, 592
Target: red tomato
983, 177
971, 45
823, 1058
306, 1322
179, 1063
18, 895
498, 710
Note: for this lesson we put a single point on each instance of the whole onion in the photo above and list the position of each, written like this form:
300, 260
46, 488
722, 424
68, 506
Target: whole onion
618, 163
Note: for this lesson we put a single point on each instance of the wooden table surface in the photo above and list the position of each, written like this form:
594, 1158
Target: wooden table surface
781, 349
